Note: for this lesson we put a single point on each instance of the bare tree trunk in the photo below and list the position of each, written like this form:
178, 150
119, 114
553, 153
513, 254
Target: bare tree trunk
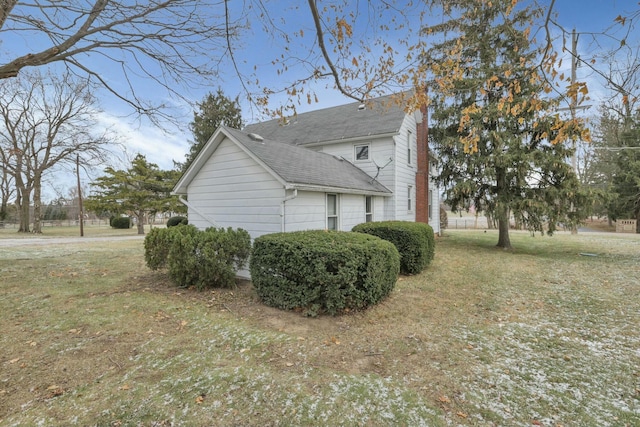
491, 220
25, 218
502, 211
5, 194
503, 233
37, 207
140, 222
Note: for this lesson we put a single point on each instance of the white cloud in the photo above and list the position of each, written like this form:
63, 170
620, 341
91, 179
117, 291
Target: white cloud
159, 146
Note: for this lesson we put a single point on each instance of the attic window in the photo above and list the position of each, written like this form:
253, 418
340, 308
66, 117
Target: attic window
361, 107
361, 152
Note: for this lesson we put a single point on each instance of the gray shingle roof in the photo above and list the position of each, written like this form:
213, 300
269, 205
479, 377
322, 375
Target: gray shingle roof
302, 166
381, 116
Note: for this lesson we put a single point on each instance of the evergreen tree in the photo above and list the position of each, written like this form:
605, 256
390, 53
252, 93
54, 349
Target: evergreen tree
502, 147
626, 182
607, 142
214, 110
139, 191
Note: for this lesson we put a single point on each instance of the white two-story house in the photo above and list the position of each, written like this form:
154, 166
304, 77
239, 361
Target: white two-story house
327, 169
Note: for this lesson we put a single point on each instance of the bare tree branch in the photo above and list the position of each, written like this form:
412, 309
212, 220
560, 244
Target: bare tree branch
174, 43
46, 122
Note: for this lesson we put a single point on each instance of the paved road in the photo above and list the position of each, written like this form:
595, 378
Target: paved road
59, 240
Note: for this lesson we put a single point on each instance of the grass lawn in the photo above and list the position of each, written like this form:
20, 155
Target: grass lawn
90, 230
548, 334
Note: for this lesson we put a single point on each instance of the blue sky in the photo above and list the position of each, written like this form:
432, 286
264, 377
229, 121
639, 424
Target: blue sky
162, 146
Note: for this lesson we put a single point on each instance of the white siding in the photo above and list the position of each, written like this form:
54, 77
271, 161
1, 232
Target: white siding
352, 209
405, 171
235, 191
434, 221
381, 151
306, 212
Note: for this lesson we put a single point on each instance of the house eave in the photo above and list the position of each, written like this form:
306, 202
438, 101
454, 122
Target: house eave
341, 190
351, 139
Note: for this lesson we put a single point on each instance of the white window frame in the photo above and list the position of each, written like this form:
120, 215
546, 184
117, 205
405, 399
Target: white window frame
430, 203
336, 214
368, 208
410, 198
355, 152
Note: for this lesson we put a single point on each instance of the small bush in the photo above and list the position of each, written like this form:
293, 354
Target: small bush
444, 219
209, 258
157, 243
120, 222
177, 220
323, 271
415, 241
202, 259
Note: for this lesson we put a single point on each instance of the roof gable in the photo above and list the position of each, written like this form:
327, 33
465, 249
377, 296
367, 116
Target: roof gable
293, 166
300, 166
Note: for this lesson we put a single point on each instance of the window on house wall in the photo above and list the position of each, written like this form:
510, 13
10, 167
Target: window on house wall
410, 144
368, 208
410, 198
361, 152
430, 203
332, 211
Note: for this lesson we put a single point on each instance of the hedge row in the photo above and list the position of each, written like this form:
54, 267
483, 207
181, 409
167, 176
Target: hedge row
202, 259
323, 271
415, 241
312, 271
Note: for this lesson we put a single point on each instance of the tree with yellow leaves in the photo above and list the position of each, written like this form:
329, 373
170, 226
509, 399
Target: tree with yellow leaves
503, 145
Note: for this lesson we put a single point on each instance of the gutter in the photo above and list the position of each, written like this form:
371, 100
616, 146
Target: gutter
205, 217
350, 139
341, 190
282, 208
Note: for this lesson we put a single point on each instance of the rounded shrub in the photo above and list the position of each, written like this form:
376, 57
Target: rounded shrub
177, 220
415, 241
121, 222
208, 258
323, 271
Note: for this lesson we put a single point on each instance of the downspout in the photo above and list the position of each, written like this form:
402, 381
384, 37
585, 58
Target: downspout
205, 217
282, 208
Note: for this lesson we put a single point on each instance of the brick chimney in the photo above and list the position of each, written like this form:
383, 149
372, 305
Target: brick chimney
422, 175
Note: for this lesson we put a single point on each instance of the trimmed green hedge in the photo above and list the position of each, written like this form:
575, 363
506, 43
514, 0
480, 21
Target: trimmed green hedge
177, 220
414, 240
120, 222
157, 243
202, 259
323, 271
